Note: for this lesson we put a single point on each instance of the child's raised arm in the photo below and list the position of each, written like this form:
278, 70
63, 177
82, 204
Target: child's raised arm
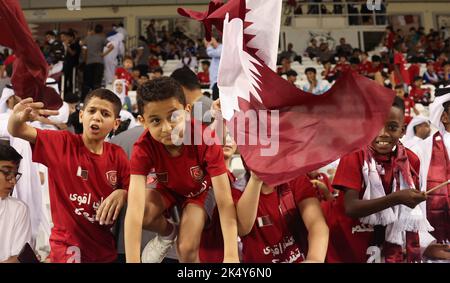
318, 232
134, 218
23, 112
247, 206
227, 214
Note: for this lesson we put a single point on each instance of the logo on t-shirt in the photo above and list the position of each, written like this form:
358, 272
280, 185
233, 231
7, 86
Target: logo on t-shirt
151, 181
197, 173
82, 173
111, 176
162, 177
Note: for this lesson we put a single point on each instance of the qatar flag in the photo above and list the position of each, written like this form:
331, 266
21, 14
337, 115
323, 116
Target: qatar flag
30, 68
281, 131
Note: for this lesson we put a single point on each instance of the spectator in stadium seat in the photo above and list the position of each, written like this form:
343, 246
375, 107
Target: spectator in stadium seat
292, 76
285, 66
15, 224
203, 76
430, 76
313, 50
325, 53
313, 85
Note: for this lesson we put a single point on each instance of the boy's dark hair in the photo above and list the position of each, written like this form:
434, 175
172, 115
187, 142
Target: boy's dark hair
8, 153
107, 95
399, 103
354, 61
98, 28
291, 73
310, 69
145, 76
127, 57
206, 62
399, 86
376, 58
158, 90
417, 78
50, 32
187, 78
158, 70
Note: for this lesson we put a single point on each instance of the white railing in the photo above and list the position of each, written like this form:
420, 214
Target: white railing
356, 13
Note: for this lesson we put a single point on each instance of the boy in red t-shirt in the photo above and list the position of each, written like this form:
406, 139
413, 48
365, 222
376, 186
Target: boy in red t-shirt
419, 94
401, 75
185, 174
203, 76
373, 218
272, 222
365, 66
270, 218
124, 73
342, 65
410, 105
375, 66
88, 178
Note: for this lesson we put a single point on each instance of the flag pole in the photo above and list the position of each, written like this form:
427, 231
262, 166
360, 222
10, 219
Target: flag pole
437, 187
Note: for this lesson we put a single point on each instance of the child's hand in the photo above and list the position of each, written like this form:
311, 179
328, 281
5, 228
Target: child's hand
409, 197
27, 110
110, 208
319, 185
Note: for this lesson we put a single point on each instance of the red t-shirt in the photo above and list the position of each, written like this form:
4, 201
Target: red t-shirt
409, 105
153, 63
342, 67
184, 174
350, 240
373, 68
79, 181
390, 40
417, 93
123, 74
203, 78
365, 67
271, 239
413, 71
400, 61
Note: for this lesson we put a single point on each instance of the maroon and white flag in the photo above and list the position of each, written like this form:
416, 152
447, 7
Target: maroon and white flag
30, 68
295, 132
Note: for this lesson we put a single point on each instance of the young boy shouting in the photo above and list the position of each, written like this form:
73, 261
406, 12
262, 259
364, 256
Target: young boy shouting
88, 178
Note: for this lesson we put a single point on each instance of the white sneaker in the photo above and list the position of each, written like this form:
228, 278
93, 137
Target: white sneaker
156, 250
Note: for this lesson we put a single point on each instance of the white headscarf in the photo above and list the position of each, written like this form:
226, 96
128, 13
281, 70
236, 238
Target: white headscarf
50, 82
7, 93
123, 93
415, 122
437, 108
